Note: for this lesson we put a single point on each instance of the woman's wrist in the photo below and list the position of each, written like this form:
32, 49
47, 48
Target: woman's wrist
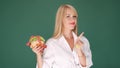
80, 53
38, 55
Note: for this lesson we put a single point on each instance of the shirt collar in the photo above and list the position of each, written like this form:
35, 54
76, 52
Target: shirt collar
63, 40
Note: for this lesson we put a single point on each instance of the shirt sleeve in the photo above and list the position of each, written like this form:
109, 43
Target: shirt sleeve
87, 51
48, 55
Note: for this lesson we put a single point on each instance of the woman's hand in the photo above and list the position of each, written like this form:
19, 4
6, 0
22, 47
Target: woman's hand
38, 50
79, 45
37, 47
37, 44
78, 48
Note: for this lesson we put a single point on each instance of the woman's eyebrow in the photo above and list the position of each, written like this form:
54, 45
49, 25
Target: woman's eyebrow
68, 14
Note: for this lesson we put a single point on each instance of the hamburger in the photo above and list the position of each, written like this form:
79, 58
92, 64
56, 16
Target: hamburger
36, 41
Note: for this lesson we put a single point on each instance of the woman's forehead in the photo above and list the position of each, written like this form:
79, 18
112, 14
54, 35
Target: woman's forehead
70, 12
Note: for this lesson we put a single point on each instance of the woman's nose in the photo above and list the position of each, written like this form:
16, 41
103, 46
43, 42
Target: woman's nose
69, 18
72, 19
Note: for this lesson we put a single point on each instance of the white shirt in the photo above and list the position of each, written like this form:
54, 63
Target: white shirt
58, 54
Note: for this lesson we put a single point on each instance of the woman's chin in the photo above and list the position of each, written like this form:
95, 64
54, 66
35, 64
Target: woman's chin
71, 28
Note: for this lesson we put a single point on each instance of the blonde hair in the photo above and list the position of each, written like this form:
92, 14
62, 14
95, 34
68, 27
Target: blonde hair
59, 18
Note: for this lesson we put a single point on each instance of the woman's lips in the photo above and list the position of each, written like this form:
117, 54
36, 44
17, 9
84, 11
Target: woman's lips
73, 23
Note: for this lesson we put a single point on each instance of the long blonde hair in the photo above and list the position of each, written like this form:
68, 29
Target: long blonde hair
59, 18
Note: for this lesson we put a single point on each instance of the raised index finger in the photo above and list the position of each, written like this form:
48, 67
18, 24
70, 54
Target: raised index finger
80, 35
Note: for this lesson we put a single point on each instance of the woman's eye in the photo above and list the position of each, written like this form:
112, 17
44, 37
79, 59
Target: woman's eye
71, 17
67, 16
74, 17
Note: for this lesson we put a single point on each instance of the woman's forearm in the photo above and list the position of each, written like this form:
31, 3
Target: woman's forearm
39, 61
82, 59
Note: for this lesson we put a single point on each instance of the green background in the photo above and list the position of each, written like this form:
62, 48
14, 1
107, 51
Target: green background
19, 19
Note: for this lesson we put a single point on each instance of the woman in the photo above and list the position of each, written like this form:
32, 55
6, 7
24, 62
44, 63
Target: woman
65, 49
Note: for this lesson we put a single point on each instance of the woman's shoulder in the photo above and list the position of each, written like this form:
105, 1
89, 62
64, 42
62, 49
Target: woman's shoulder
51, 40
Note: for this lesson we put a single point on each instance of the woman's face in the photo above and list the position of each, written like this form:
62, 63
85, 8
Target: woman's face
69, 20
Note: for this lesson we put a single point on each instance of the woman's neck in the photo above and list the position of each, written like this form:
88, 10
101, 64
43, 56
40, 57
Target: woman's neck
68, 34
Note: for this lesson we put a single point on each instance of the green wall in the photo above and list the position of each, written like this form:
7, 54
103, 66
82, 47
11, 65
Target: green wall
19, 19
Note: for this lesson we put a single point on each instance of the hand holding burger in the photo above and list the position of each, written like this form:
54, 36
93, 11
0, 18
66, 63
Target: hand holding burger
37, 43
